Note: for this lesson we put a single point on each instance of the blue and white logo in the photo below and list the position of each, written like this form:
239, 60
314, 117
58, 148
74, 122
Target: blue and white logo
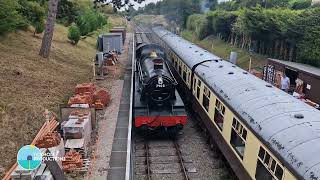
29, 157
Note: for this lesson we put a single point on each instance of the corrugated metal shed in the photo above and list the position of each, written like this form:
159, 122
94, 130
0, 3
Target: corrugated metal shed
110, 42
270, 113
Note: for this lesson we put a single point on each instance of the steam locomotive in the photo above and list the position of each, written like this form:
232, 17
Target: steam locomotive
157, 104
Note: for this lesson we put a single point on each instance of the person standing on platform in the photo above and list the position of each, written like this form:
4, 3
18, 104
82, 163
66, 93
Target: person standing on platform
285, 83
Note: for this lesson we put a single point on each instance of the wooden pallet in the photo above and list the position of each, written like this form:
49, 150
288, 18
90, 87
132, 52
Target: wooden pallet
84, 168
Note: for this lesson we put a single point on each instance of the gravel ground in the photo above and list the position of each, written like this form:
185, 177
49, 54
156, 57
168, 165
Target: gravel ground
200, 160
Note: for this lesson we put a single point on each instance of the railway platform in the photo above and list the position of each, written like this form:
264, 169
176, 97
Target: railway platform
121, 141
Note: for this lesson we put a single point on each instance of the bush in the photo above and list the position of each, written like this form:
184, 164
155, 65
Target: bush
74, 34
9, 16
38, 27
90, 20
33, 11
300, 4
199, 24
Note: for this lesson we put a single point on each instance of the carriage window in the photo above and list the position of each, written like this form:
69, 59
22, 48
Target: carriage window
206, 98
219, 114
184, 76
267, 167
180, 70
262, 172
194, 83
177, 64
198, 89
188, 77
238, 137
279, 172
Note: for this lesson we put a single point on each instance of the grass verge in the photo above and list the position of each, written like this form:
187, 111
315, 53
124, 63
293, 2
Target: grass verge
29, 83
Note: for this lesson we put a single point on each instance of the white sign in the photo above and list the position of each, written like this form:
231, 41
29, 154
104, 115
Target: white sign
308, 86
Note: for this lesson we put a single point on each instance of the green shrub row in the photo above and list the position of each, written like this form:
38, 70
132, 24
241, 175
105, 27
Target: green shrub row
20, 14
281, 33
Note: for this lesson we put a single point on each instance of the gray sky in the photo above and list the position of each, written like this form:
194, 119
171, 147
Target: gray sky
137, 5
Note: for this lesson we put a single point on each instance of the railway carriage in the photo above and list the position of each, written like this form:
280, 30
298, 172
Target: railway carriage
264, 133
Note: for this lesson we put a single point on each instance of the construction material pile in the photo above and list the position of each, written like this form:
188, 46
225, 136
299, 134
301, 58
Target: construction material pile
110, 58
49, 140
43, 138
87, 95
77, 131
72, 161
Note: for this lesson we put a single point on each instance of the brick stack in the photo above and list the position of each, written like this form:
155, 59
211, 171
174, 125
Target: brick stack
81, 99
72, 161
87, 94
101, 98
85, 88
51, 139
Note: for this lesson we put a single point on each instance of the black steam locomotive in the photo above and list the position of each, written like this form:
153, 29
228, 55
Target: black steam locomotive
157, 105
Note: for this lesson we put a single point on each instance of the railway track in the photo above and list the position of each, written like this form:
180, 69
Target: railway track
160, 159
188, 156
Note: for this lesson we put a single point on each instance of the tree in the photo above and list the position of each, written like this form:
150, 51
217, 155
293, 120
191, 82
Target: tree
48, 34
74, 34
52, 13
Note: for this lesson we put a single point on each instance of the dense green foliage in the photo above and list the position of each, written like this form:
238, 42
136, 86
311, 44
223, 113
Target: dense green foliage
38, 27
292, 4
34, 13
67, 12
198, 23
18, 14
90, 20
286, 29
175, 10
306, 32
74, 34
10, 17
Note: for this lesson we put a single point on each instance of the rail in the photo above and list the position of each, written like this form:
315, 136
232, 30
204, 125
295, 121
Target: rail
148, 160
181, 160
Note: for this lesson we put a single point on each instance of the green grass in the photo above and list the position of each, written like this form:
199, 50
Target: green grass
223, 49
